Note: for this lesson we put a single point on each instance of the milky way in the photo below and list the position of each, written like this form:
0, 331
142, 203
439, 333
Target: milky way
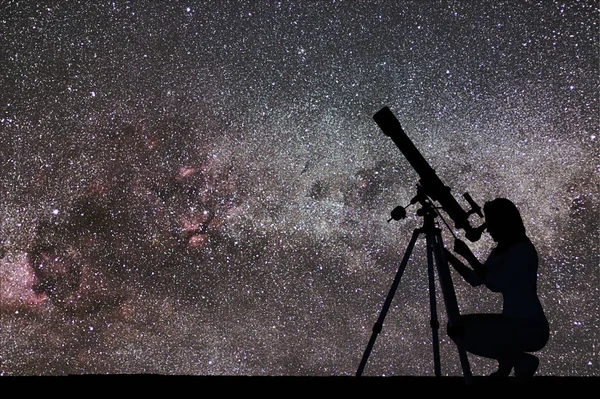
200, 188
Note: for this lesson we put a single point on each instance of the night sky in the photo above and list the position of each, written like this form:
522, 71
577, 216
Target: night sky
198, 187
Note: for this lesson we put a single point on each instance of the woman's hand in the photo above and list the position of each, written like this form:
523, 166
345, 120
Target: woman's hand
461, 248
460, 267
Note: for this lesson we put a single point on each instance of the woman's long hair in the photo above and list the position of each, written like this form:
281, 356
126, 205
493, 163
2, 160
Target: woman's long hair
508, 219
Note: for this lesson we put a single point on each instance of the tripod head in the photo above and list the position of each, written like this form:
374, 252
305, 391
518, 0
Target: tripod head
430, 185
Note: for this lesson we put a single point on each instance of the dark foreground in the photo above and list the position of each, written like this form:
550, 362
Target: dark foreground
340, 386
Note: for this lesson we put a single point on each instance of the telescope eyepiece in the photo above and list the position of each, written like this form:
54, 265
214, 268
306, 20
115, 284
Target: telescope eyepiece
474, 207
474, 234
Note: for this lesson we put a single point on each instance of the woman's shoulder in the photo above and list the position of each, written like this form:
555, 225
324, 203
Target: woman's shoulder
524, 243
524, 247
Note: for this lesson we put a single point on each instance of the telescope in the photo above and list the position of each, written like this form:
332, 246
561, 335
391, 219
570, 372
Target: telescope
429, 184
429, 189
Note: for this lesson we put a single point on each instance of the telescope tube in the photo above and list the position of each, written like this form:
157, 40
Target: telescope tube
431, 183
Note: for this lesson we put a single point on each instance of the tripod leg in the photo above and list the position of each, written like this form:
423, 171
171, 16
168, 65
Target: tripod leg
379, 324
450, 301
433, 307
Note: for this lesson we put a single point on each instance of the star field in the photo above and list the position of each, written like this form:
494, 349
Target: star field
196, 187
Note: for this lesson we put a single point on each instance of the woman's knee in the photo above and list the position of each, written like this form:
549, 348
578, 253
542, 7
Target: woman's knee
455, 331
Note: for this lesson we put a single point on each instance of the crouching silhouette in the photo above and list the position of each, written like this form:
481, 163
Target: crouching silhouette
510, 269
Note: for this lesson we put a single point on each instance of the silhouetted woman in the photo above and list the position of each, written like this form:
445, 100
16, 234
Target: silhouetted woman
510, 269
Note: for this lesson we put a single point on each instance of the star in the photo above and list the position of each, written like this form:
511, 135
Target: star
200, 188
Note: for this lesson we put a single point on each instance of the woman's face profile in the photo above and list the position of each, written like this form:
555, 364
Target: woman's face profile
493, 226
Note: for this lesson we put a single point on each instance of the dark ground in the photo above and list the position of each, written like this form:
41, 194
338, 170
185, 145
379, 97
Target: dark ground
198, 386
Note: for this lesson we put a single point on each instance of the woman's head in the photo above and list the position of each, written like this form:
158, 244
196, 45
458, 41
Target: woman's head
503, 221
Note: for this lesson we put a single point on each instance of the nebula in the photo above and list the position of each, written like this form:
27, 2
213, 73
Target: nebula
200, 188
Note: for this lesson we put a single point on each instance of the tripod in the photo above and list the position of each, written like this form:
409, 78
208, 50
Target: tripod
435, 251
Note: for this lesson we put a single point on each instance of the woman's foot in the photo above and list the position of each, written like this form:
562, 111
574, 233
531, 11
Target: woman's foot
504, 369
526, 366
498, 375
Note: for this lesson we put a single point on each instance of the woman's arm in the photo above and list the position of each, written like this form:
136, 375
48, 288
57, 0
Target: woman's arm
462, 269
463, 250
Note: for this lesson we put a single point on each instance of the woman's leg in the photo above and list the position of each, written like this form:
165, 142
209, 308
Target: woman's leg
531, 337
490, 336
504, 339
487, 335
